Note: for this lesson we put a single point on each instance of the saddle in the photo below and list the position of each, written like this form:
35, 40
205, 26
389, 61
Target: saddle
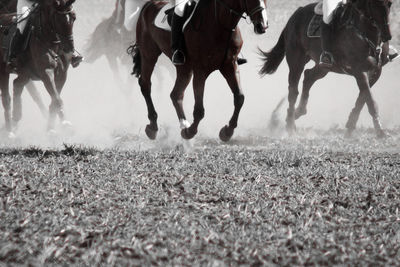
341, 17
163, 19
8, 28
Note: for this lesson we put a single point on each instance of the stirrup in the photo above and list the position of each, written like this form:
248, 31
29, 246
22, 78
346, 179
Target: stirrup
326, 60
394, 55
241, 61
76, 60
178, 58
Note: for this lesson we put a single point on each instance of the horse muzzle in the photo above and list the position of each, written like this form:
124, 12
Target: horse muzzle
260, 28
386, 33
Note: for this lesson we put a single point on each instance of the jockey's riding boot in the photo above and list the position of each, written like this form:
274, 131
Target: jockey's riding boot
14, 50
76, 60
241, 61
178, 56
393, 53
326, 59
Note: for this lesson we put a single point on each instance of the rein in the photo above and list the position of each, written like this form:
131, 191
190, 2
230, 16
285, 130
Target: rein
237, 13
376, 48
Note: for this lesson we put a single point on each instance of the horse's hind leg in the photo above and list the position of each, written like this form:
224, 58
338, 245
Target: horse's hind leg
199, 80
183, 78
147, 67
6, 100
19, 84
231, 74
296, 67
310, 77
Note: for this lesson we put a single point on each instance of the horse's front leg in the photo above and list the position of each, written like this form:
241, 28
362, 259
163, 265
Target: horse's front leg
366, 97
60, 80
360, 102
183, 78
19, 84
56, 105
6, 100
199, 80
232, 76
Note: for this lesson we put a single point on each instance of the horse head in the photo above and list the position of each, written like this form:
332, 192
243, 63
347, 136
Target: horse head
256, 10
379, 11
62, 16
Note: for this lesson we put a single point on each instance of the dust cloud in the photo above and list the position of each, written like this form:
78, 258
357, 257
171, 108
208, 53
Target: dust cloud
100, 111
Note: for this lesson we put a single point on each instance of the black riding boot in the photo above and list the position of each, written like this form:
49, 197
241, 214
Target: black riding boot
15, 47
393, 53
178, 56
326, 59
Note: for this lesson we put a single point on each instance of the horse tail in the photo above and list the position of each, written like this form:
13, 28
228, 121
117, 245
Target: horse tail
134, 51
274, 57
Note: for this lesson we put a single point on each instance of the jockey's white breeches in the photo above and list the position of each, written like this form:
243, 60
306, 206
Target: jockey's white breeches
329, 7
24, 8
180, 6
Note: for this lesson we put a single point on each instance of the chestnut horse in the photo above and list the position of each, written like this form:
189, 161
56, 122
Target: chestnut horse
213, 42
361, 49
47, 58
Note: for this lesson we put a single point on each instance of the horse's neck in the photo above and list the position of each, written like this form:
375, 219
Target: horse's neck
43, 26
220, 17
364, 24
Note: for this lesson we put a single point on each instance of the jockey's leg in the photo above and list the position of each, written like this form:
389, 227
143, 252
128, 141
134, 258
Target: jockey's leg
326, 59
15, 47
23, 10
178, 56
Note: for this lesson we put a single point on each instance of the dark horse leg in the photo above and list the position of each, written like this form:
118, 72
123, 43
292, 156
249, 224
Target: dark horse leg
310, 77
365, 97
231, 74
296, 67
56, 105
148, 62
183, 77
6, 100
199, 80
360, 102
19, 84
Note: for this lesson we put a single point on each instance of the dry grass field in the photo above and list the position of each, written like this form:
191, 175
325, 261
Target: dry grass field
263, 199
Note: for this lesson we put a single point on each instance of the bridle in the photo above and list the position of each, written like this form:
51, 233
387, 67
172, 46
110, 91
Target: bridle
375, 48
53, 30
237, 13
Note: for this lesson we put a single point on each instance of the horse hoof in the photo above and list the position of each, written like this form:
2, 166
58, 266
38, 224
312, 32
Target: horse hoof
11, 136
66, 123
67, 127
348, 134
187, 133
226, 133
299, 112
382, 134
151, 133
291, 129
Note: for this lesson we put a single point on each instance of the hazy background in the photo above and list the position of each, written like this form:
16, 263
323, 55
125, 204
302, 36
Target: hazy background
100, 112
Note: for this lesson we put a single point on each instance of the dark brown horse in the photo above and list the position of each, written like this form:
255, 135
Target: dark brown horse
47, 58
361, 49
213, 42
